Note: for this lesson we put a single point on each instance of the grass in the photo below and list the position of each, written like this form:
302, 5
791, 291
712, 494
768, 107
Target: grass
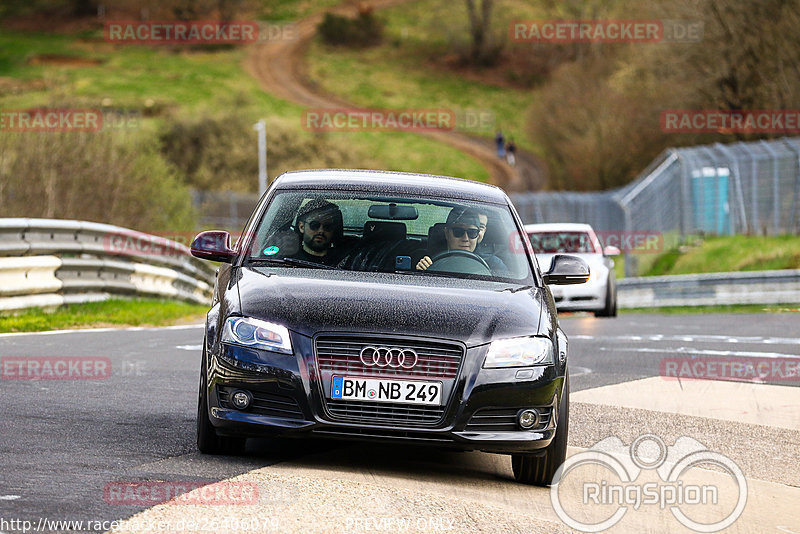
117, 312
161, 82
401, 73
735, 308
729, 254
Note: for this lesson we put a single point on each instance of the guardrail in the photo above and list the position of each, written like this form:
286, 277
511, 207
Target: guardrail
712, 289
50, 262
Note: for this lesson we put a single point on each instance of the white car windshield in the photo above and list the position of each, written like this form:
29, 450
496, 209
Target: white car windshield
562, 242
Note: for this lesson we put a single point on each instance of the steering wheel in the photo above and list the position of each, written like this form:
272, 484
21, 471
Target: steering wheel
460, 261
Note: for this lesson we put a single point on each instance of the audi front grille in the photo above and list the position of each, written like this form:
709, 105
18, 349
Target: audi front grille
342, 355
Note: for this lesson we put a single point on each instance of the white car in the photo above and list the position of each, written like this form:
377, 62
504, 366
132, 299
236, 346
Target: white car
599, 294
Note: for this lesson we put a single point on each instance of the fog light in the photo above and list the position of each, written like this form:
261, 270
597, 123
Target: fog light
528, 418
241, 399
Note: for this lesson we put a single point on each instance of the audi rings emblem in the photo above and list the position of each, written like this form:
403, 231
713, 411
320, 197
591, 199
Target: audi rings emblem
393, 357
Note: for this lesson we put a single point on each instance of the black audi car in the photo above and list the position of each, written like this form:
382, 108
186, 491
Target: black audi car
386, 306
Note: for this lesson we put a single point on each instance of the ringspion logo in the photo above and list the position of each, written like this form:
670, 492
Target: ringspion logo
614, 479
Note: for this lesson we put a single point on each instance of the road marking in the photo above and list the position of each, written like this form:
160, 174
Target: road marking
702, 338
703, 352
9, 497
742, 402
190, 347
95, 330
579, 371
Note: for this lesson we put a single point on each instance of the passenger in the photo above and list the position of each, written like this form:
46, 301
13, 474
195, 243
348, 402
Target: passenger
486, 251
319, 224
462, 230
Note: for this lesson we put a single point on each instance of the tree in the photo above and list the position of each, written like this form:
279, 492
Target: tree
482, 50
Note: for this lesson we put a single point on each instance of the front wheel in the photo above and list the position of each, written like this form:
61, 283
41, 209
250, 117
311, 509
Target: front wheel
208, 441
539, 470
610, 308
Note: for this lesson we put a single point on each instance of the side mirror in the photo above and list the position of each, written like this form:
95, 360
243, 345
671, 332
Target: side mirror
566, 270
214, 245
611, 251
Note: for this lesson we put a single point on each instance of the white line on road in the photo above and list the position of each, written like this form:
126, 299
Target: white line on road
690, 350
95, 330
190, 347
697, 338
9, 497
579, 371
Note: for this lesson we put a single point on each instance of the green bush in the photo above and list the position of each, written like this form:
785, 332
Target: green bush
219, 152
365, 30
108, 176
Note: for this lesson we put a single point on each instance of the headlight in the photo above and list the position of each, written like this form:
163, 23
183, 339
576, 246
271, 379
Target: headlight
519, 352
255, 333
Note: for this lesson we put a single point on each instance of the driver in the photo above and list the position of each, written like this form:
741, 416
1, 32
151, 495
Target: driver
462, 228
319, 224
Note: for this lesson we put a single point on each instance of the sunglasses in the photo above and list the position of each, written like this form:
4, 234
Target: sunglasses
472, 233
326, 226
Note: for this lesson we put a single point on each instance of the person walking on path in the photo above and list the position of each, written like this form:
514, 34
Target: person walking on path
511, 153
500, 140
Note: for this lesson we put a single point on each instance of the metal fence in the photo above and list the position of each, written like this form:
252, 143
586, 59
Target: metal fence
740, 188
50, 262
224, 210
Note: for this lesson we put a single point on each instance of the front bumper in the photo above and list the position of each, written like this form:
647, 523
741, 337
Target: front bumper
580, 297
289, 401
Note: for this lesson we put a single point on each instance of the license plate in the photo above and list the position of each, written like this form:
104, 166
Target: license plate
383, 390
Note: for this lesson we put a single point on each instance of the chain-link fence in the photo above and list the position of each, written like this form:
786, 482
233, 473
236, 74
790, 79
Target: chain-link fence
224, 210
741, 188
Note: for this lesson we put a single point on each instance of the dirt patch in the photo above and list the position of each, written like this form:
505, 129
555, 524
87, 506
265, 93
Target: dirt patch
62, 60
516, 68
12, 86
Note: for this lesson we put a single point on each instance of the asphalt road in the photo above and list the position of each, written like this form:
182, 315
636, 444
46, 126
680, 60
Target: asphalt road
64, 441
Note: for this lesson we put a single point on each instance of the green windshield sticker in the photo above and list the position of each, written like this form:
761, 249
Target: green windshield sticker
271, 251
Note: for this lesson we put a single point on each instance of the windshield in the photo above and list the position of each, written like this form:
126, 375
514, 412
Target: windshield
357, 231
557, 242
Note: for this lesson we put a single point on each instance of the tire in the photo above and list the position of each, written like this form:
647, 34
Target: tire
610, 308
539, 470
208, 441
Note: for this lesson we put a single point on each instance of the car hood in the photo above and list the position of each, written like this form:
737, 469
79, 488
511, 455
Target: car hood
309, 301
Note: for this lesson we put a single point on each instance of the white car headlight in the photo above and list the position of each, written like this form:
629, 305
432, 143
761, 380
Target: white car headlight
519, 352
258, 334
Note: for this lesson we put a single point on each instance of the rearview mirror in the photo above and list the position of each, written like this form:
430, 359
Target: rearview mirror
566, 270
611, 251
393, 212
214, 245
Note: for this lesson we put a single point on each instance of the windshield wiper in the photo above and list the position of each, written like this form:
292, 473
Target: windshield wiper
293, 262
